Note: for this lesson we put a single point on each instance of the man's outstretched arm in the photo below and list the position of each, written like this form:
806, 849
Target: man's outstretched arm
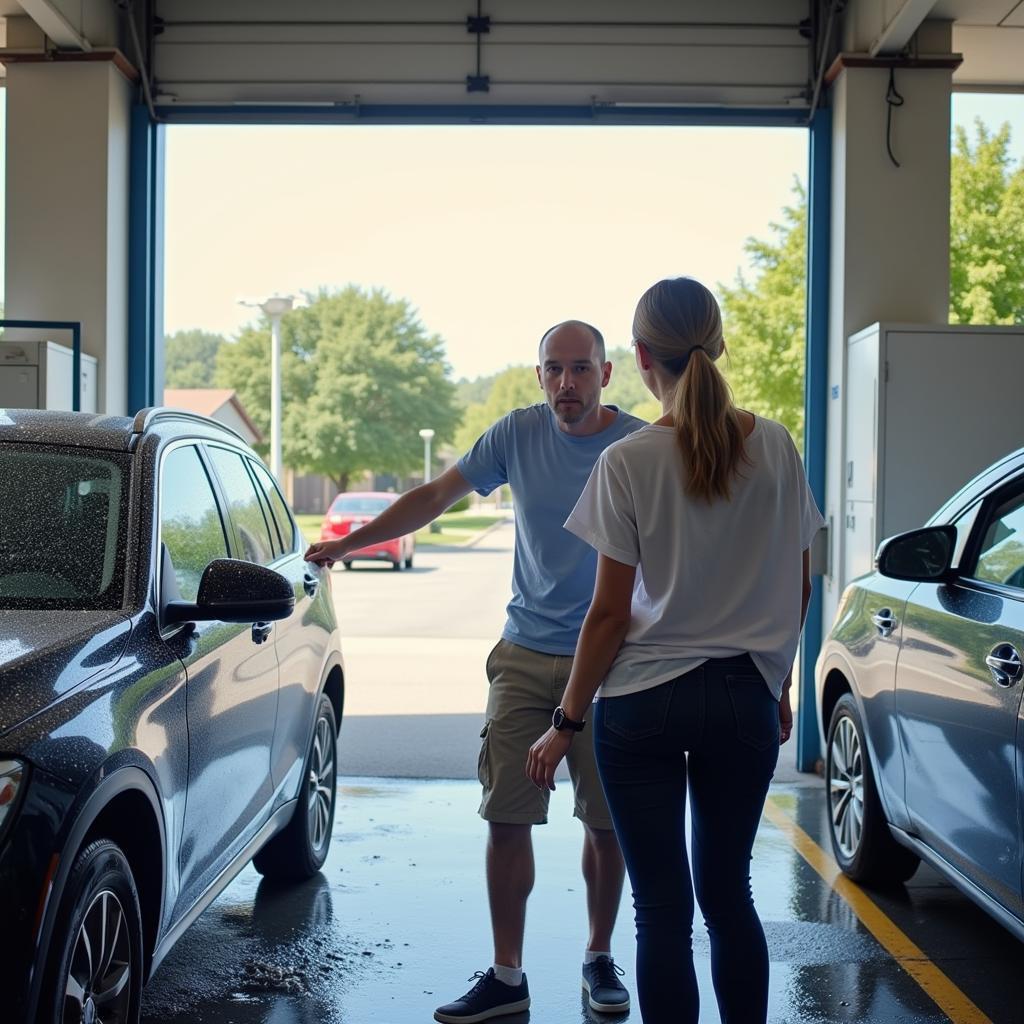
409, 513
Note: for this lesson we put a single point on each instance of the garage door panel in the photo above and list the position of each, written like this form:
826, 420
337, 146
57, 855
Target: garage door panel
650, 51
588, 65
754, 12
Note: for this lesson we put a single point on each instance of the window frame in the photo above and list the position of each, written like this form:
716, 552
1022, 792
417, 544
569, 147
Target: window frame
236, 546
167, 450
256, 468
1001, 493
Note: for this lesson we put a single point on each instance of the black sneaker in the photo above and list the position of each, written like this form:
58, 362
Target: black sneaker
601, 981
487, 998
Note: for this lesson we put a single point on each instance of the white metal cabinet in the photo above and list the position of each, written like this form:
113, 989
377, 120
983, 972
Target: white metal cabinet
926, 408
39, 374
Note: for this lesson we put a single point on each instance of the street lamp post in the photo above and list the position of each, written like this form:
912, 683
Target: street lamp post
426, 434
274, 308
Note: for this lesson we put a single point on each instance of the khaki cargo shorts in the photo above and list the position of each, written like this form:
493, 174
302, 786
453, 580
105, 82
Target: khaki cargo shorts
525, 688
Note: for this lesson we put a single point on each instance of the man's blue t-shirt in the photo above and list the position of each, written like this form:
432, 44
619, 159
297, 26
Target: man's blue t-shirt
547, 469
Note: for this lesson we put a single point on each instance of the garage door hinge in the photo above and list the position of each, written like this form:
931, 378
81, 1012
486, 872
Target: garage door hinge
478, 25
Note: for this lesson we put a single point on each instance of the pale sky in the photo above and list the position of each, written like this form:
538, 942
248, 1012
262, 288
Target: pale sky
492, 233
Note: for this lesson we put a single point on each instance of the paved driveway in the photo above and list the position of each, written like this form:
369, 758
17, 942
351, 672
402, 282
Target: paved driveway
415, 644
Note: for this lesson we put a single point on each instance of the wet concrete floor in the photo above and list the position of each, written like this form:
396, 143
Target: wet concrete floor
397, 921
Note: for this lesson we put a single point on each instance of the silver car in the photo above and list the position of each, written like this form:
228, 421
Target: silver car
919, 701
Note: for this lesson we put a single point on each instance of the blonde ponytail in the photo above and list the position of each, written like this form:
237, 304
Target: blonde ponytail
680, 324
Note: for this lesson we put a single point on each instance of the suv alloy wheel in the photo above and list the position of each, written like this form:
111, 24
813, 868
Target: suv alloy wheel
95, 961
299, 850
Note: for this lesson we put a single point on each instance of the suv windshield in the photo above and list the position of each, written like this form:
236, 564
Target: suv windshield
354, 505
62, 527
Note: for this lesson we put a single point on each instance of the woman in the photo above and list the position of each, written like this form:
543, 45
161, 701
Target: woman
702, 523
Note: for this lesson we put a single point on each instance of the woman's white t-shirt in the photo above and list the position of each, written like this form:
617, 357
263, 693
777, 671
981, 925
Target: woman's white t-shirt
713, 580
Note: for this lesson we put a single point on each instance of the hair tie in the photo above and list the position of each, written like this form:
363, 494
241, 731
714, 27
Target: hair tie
692, 350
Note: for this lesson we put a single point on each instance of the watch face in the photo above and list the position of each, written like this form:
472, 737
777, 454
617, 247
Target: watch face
560, 721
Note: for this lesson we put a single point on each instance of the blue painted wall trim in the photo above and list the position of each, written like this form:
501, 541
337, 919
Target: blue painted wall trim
469, 113
145, 261
819, 206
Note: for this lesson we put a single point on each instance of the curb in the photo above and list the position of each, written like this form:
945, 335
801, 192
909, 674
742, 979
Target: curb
476, 538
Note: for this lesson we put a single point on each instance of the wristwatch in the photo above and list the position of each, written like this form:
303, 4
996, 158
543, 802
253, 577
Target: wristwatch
560, 721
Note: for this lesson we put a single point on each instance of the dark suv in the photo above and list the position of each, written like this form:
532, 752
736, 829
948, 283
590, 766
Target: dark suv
171, 686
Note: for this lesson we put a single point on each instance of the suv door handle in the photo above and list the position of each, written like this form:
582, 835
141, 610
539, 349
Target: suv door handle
310, 584
1005, 665
884, 620
261, 631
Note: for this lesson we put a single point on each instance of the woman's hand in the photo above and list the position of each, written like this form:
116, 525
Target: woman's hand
325, 552
785, 715
546, 755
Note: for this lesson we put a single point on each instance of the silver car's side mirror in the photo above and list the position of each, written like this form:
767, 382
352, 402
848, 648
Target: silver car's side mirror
920, 556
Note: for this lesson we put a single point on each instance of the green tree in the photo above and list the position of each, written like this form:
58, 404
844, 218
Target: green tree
649, 410
986, 250
190, 358
764, 322
626, 388
513, 388
360, 377
469, 392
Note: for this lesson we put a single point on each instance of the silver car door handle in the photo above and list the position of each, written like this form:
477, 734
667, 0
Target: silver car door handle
884, 620
310, 584
1005, 665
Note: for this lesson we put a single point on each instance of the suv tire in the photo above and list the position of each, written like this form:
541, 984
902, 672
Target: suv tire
94, 967
299, 850
861, 841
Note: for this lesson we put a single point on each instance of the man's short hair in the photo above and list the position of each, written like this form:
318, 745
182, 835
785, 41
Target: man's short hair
598, 336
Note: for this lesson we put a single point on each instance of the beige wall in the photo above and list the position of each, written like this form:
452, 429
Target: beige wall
67, 208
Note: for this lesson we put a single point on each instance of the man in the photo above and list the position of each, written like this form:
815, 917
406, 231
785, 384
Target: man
546, 453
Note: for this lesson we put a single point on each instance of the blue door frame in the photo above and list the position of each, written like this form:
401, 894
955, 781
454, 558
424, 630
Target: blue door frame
819, 219
145, 349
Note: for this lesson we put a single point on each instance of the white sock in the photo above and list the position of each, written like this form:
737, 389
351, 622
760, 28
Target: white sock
509, 975
590, 955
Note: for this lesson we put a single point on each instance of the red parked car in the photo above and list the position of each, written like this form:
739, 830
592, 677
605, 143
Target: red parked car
349, 511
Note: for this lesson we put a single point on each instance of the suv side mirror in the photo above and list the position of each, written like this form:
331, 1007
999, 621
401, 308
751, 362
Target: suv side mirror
233, 590
920, 556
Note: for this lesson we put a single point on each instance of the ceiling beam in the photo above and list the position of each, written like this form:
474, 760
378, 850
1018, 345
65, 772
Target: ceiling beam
51, 20
903, 25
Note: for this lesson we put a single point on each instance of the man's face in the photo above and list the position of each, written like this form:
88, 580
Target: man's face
571, 374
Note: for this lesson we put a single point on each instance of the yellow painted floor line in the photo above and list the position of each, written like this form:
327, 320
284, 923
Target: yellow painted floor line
946, 996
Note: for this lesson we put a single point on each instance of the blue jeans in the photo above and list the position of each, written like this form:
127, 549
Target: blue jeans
714, 731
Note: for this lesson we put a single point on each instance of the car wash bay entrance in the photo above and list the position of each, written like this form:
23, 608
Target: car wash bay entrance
878, 227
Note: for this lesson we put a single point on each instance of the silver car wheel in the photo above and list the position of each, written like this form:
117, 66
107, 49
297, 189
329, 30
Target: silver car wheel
846, 787
321, 784
98, 985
